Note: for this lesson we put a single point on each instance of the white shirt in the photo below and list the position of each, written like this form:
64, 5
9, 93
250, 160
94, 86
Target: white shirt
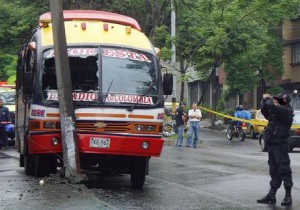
193, 112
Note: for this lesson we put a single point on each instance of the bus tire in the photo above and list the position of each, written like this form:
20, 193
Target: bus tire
29, 164
39, 166
21, 162
45, 165
53, 163
138, 172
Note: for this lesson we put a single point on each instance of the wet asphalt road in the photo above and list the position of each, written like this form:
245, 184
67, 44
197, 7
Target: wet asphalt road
221, 174
21, 192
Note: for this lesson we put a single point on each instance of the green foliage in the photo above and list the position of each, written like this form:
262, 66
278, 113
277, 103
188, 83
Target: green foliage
221, 108
220, 105
274, 90
240, 34
7, 66
162, 39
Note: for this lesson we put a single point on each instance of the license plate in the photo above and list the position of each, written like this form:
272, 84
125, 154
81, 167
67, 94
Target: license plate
99, 142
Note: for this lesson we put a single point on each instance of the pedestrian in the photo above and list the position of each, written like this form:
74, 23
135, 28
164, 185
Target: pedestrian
180, 123
280, 116
4, 119
195, 116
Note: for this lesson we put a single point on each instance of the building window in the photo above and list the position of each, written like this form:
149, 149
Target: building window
296, 53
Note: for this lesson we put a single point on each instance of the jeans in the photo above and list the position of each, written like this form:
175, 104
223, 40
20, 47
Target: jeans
3, 137
180, 130
194, 128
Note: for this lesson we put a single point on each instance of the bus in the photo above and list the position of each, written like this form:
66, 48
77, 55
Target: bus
118, 96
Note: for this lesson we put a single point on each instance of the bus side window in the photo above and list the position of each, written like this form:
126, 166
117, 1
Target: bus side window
20, 69
49, 75
28, 71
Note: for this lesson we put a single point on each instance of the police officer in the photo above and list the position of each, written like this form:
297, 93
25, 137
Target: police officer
4, 118
280, 116
180, 123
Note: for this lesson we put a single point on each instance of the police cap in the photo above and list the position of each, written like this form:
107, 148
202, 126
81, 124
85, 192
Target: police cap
283, 97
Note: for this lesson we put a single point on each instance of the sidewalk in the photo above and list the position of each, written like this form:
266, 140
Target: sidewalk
25, 192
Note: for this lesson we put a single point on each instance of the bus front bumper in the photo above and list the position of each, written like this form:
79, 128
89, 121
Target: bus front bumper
98, 144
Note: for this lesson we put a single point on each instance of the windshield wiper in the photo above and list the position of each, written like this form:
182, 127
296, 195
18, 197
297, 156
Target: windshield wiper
103, 97
148, 89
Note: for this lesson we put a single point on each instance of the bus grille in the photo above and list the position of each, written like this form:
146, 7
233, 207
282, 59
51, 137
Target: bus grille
104, 126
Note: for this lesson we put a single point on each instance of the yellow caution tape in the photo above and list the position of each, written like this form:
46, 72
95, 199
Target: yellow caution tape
252, 121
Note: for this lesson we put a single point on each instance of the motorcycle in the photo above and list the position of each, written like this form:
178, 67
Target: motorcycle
9, 129
239, 131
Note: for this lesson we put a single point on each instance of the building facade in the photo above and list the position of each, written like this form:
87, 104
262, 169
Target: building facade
291, 44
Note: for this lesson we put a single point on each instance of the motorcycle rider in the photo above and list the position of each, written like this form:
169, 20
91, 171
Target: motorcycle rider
280, 116
240, 113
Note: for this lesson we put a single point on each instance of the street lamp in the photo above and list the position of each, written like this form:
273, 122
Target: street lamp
296, 100
173, 59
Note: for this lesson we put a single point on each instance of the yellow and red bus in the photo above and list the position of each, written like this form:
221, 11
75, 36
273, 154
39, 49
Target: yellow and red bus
118, 96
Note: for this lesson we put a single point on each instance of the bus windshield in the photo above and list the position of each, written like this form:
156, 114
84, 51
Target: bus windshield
125, 76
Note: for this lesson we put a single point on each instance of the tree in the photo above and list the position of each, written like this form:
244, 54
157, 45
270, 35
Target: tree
19, 17
236, 33
209, 33
7, 66
16, 23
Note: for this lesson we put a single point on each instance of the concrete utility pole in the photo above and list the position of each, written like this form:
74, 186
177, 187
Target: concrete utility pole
173, 59
63, 76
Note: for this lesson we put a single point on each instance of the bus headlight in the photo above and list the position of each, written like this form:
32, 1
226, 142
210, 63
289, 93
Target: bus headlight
55, 141
150, 128
49, 125
139, 127
145, 145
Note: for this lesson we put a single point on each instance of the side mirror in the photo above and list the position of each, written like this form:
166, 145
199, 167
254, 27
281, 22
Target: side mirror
168, 84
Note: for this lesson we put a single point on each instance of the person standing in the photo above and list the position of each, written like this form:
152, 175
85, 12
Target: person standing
180, 123
280, 116
195, 116
4, 118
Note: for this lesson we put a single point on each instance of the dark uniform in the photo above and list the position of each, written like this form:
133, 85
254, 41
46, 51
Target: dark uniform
280, 117
4, 117
180, 123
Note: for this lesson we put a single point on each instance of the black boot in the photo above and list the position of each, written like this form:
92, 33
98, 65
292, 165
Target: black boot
287, 201
269, 198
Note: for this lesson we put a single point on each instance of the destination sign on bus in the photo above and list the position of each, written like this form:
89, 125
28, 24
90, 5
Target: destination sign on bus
52, 95
106, 52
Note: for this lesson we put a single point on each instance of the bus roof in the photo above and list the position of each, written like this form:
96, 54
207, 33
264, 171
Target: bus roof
93, 15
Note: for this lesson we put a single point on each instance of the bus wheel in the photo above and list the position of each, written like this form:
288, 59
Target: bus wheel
29, 164
53, 163
138, 172
21, 163
45, 165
